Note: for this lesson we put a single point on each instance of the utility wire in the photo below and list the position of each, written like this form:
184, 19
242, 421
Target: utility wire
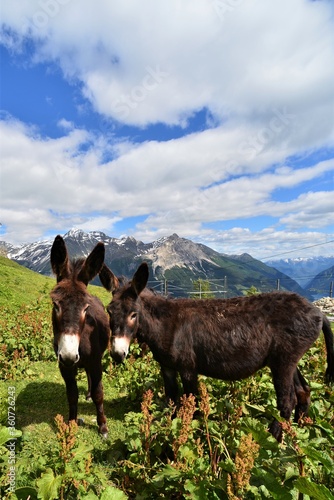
296, 250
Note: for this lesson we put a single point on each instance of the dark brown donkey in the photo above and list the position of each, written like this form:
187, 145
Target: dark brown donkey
229, 339
80, 325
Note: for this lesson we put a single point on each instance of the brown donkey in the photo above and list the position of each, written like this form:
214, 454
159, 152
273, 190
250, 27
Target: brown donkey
80, 325
229, 339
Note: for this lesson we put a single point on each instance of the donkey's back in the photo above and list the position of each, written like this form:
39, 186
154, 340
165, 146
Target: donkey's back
233, 338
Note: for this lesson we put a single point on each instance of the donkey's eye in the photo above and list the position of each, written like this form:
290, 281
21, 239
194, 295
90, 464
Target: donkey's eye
133, 316
56, 307
85, 310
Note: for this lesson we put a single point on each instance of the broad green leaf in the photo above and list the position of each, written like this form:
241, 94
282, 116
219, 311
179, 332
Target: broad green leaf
316, 385
89, 496
8, 434
271, 483
82, 452
187, 453
260, 434
113, 493
327, 428
290, 472
190, 486
169, 472
199, 491
258, 408
228, 465
4, 435
313, 490
48, 485
319, 456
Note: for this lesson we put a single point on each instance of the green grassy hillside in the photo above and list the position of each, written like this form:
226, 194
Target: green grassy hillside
21, 286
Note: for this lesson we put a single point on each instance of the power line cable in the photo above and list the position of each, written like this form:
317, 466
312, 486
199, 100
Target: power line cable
296, 250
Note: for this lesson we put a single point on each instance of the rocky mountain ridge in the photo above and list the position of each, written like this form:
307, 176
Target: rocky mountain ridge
176, 260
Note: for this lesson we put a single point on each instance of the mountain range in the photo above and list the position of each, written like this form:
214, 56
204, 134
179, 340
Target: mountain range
302, 270
315, 274
174, 262
322, 284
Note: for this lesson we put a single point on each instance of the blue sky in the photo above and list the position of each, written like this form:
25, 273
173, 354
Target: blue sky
213, 119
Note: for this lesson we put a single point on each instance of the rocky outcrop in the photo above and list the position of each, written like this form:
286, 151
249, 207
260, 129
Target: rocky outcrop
326, 304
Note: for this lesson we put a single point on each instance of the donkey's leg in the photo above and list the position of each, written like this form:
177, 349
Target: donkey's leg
170, 382
302, 390
89, 390
190, 383
286, 396
190, 386
72, 392
97, 397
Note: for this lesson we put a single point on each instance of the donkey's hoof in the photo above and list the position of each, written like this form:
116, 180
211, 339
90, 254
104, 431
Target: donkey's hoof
103, 430
81, 421
276, 430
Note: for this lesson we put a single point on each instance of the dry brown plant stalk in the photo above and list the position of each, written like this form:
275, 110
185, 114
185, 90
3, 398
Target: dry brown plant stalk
238, 481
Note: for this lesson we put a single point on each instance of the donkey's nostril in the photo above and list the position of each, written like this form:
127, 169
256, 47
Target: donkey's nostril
118, 356
68, 360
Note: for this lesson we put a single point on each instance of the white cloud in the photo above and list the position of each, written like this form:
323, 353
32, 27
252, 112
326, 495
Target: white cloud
160, 61
65, 124
168, 183
269, 243
312, 210
264, 72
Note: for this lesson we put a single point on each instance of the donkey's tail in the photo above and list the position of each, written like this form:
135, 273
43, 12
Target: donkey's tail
329, 339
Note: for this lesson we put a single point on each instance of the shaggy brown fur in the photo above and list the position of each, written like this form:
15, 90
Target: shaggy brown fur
79, 316
229, 339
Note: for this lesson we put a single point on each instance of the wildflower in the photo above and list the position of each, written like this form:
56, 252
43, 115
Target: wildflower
244, 461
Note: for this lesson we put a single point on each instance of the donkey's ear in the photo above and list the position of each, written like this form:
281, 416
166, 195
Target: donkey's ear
93, 264
59, 259
139, 280
108, 279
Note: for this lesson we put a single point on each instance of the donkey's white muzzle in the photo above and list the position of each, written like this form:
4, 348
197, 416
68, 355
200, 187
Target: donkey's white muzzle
68, 349
120, 348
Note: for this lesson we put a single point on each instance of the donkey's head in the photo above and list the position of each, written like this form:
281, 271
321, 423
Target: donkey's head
71, 301
124, 309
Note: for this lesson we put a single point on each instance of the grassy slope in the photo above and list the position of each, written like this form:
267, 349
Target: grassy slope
40, 397
19, 285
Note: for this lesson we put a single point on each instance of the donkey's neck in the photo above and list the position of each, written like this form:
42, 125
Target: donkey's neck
154, 314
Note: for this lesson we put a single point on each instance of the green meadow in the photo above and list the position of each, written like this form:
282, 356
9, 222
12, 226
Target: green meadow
224, 451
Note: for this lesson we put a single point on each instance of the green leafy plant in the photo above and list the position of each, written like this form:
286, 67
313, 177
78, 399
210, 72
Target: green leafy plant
67, 474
